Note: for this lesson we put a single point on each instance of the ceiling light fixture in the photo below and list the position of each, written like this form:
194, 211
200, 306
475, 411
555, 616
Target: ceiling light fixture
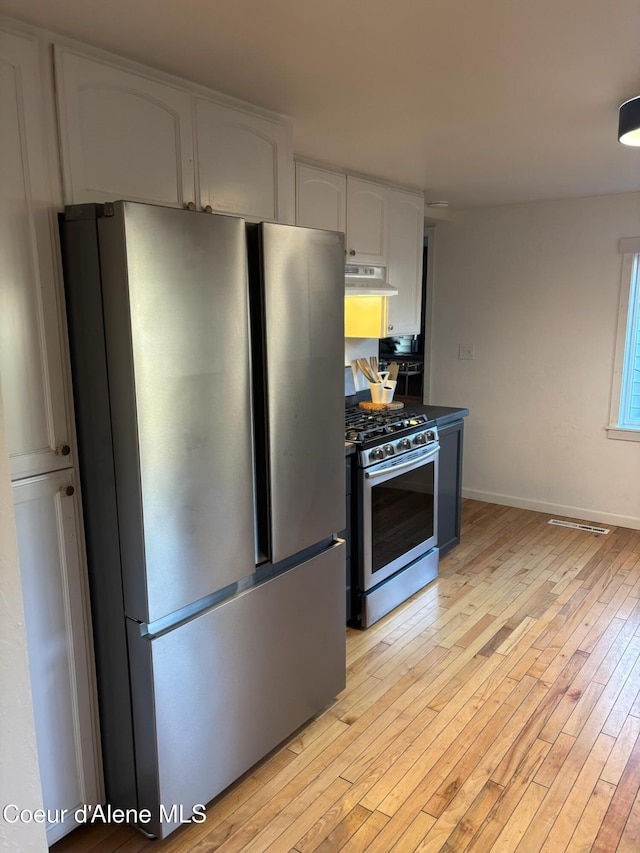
442, 203
629, 122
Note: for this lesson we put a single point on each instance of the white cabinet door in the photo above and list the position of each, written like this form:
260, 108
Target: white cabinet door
321, 198
366, 222
245, 163
57, 633
123, 135
405, 250
31, 366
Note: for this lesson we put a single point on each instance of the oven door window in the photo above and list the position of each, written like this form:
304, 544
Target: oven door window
402, 515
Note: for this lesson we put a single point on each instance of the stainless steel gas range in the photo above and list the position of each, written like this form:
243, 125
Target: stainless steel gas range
397, 508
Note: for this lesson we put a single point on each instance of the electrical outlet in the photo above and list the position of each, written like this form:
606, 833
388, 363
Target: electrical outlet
466, 351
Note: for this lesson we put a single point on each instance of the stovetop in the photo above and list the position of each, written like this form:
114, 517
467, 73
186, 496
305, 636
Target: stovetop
384, 437
367, 428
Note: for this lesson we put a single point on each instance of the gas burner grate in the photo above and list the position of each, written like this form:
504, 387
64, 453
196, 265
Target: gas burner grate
362, 426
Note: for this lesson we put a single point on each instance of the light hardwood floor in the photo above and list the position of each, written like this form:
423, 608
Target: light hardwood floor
497, 710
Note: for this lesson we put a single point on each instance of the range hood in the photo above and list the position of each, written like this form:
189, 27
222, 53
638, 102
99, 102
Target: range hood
367, 281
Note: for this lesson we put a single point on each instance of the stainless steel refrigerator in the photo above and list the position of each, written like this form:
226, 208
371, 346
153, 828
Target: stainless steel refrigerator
207, 365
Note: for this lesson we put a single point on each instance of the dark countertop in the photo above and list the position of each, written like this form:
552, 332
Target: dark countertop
438, 415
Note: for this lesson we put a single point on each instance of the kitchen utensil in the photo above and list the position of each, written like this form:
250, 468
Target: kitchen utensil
366, 370
393, 370
356, 361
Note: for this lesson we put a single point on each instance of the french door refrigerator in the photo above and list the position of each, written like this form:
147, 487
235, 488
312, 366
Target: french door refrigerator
207, 364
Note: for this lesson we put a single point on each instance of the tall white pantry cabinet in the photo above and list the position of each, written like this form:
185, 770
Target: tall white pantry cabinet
39, 437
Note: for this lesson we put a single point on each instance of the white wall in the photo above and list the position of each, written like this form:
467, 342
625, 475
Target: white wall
535, 288
19, 775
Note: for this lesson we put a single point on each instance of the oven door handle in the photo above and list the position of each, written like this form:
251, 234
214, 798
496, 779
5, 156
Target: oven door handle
402, 466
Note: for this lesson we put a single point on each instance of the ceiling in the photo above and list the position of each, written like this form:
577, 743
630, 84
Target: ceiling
475, 102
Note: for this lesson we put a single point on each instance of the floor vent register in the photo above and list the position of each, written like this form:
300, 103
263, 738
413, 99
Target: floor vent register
591, 528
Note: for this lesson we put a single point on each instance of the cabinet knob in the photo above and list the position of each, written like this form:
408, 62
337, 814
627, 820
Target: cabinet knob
390, 328
68, 491
190, 205
65, 450
207, 208
352, 252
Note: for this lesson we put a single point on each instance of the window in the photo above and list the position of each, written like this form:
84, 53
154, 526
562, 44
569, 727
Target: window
625, 399
630, 390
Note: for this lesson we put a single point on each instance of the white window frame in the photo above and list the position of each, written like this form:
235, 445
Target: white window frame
628, 316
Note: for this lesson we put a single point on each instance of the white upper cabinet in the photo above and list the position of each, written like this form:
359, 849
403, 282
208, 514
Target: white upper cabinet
244, 163
321, 198
338, 202
367, 205
405, 251
123, 135
52, 592
31, 367
384, 227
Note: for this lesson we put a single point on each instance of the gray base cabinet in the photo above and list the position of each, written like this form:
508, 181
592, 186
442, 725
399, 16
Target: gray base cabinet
450, 485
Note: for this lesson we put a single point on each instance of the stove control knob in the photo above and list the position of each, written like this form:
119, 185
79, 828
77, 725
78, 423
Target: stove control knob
377, 453
389, 449
420, 438
405, 444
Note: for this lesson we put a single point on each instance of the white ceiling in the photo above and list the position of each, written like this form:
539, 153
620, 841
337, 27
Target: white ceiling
474, 101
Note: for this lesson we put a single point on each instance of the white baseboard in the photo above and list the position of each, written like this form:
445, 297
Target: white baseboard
575, 512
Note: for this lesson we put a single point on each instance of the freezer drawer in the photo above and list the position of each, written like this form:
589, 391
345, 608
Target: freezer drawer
230, 685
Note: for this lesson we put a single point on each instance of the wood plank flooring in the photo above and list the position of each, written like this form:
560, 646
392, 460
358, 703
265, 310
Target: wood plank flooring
497, 710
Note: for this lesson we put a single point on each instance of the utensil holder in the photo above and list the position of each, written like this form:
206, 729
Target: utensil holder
382, 392
377, 391
388, 390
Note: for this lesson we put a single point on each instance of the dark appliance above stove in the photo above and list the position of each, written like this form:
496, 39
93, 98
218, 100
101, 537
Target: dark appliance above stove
408, 352
401, 348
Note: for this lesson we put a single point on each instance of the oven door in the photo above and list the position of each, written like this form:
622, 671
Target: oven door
399, 513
